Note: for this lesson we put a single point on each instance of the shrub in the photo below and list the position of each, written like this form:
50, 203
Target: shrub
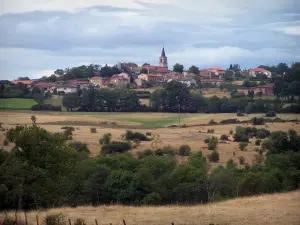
229, 121
271, 114
79, 146
5, 142
213, 142
231, 132
245, 138
257, 142
210, 131
214, 156
79, 221
242, 160
184, 150
263, 133
148, 133
9, 221
206, 140
239, 113
45, 107
151, 199
266, 144
68, 130
169, 150
55, 219
93, 130
224, 137
159, 152
132, 136
148, 152
258, 121
115, 147
243, 145
212, 122
105, 139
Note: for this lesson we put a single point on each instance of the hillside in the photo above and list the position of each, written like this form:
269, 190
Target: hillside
279, 209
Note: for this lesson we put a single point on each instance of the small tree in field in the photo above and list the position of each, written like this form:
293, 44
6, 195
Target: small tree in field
214, 156
213, 142
33, 119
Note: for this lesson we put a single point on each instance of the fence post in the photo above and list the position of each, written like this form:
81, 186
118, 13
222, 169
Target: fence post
25, 214
70, 222
124, 222
37, 220
96, 221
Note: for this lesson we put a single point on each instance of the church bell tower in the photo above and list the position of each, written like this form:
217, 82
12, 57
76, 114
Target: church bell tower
163, 60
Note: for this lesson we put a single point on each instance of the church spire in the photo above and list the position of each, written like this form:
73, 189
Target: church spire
163, 54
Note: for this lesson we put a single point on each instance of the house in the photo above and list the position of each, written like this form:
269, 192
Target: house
217, 71
125, 75
28, 83
79, 83
188, 81
212, 73
217, 82
96, 81
172, 75
266, 89
150, 77
66, 89
256, 71
119, 80
46, 86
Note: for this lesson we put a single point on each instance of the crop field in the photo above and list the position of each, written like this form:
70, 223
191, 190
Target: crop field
16, 103
156, 123
279, 209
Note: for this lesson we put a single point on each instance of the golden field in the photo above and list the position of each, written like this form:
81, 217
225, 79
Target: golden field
273, 209
156, 123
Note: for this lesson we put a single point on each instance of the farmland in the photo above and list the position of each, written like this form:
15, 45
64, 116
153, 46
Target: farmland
156, 123
271, 209
16, 103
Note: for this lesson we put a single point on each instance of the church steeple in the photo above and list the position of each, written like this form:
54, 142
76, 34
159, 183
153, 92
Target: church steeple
163, 60
163, 54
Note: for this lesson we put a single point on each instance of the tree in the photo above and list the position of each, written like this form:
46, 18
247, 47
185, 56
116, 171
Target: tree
71, 102
178, 68
282, 68
294, 88
23, 78
59, 72
143, 70
228, 76
278, 87
194, 70
33, 119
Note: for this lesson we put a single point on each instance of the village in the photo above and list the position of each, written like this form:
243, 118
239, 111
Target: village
149, 76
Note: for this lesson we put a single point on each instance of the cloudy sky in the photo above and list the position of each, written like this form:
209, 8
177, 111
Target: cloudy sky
39, 36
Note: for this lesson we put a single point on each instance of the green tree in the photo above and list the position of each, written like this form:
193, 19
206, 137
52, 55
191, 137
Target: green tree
194, 70
71, 102
178, 68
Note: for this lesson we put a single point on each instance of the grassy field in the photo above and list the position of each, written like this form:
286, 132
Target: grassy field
156, 123
16, 103
279, 209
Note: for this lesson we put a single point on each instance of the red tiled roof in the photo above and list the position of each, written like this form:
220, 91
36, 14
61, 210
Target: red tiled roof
153, 75
44, 84
260, 70
216, 68
26, 82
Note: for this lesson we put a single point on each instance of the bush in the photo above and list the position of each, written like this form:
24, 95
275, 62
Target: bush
133, 136
271, 114
105, 139
210, 131
213, 142
115, 147
169, 150
79, 146
240, 137
45, 107
266, 144
5, 142
229, 121
245, 138
148, 133
68, 130
159, 152
243, 145
93, 130
242, 160
263, 133
224, 137
231, 132
55, 219
184, 150
239, 113
206, 140
257, 142
151, 199
258, 121
79, 221
212, 122
214, 156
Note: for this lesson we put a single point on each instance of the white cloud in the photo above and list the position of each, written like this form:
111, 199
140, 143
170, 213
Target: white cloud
293, 30
47, 73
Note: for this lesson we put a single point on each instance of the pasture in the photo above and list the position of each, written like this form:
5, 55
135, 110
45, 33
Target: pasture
280, 209
16, 103
156, 123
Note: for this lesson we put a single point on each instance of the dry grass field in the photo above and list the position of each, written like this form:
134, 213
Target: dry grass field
274, 209
156, 123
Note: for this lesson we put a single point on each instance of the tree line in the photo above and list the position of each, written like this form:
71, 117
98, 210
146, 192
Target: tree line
45, 170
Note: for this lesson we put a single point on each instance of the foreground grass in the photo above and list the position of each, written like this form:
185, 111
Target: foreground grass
16, 103
279, 209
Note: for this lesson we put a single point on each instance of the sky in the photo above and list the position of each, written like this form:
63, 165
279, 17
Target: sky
40, 36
